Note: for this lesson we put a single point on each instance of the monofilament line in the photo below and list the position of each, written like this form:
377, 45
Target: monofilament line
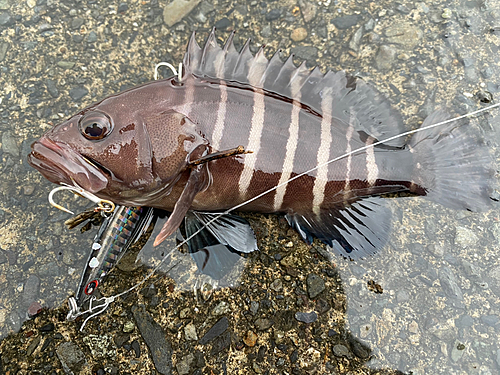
410, 132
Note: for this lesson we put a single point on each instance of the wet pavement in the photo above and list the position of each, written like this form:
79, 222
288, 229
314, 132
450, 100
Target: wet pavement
429, 303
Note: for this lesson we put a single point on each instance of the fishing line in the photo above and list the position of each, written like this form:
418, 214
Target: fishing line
108, 300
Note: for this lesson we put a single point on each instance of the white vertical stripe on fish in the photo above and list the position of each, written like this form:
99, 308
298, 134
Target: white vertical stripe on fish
323, 151
371, 163
221, 117
187, 103
348, 137
253, 141
291, 147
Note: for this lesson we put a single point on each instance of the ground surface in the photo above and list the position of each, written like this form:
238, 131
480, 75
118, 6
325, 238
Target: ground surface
440, 276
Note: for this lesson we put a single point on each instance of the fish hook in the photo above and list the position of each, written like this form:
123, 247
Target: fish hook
103, 205
176, 72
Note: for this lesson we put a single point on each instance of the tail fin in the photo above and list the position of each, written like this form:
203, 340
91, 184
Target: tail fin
453, 164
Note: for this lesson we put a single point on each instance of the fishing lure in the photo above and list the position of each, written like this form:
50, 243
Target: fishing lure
118, 231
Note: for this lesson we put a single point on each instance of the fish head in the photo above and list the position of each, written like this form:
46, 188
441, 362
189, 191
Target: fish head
125, 148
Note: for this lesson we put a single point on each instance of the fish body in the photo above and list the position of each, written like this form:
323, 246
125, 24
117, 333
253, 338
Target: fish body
117, 232
155, 145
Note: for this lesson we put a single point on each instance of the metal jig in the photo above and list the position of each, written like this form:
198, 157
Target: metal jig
103, 205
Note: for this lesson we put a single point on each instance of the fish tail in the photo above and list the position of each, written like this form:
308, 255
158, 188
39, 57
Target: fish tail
453, 164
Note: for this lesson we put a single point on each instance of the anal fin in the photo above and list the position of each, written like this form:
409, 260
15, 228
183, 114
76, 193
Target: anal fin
354, 231
212, 257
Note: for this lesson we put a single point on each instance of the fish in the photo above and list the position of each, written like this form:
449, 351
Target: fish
233, 124
118, 231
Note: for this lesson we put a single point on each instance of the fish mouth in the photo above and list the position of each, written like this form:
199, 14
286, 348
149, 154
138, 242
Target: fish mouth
59, 163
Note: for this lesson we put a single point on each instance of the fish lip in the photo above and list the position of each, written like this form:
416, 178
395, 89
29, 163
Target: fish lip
59, 163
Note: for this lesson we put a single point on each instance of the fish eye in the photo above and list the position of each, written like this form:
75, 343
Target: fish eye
95, 125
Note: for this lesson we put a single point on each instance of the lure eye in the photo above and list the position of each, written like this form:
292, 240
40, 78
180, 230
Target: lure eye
89, 289
95, 126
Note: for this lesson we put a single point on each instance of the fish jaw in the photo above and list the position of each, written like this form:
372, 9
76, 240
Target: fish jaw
60, 164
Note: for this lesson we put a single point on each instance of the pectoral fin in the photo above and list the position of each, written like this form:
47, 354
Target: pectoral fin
198, 178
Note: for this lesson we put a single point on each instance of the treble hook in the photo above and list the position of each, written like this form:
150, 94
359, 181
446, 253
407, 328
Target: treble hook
103, 204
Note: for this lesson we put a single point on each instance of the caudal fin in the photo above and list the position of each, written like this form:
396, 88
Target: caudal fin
453, 164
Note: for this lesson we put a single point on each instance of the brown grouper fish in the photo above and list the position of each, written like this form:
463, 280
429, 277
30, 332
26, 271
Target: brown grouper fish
234, 125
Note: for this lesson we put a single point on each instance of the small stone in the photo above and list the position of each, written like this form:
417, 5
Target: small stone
365, 330
464, 237
28, 189
402, 296
122, 8
100, 345
223, 23
263, 324
92, 37
254, 307
340, 350
490, 320
34, 309
276, 285
308, 10
31, 290
9, 144
4, 47
6, 19
464, 321
404, 34
385, 57
217, 329
221, 309
436, 249
76, 23
221, 343
309, 317
457, 351
177, 10
128, 327
413, 327
344, 22
250, 339
4, 4
273, 15
356, 39
266, 31
447, 13
190, 332
184, 313
315, 285
184, 365
136, 347
120, 339
33, 345
298, 35
449, 283
66, 64
322, 306
72, 358
77, 93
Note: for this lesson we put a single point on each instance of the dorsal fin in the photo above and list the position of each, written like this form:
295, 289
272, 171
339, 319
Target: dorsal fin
354, 101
